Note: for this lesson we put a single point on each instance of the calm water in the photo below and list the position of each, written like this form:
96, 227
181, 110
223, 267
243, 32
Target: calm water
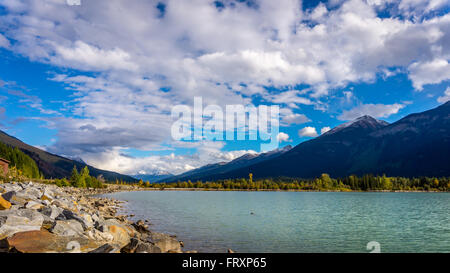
297, 221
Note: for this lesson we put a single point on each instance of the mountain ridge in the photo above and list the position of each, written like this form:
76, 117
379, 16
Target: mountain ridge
416, 145
221, 167
55, 166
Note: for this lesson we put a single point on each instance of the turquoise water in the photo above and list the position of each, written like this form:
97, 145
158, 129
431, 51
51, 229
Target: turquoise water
296, 221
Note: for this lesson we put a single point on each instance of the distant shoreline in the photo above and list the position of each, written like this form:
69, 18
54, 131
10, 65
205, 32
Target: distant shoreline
270, 190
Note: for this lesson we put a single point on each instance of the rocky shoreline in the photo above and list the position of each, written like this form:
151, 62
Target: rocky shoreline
44, 218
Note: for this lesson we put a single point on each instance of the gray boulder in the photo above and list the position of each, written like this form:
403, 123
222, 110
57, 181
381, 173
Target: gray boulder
67, 228
51, 211
70, 215
15, 221
34, 205
147, 248
131, 247
164, 241
30, 193
12, 197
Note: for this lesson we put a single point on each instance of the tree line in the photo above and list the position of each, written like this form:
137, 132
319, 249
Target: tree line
80, 179
322, 183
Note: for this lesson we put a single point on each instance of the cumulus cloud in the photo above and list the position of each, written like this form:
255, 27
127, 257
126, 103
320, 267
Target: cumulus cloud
373, 110
308, 132
87, 57
282, 137
445, 97
432, 72
324, 130
273, 45
288, 117
207, 153
140, 69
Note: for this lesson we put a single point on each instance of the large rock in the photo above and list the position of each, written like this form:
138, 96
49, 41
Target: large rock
131, 247
147, 248
68, 228
42, 241
164, 241
106, 248
97, 235
64, 203
4, 204
120, 232
34, 205
14, 199
86, 219
70, 215
137, 246
19, 220
51, 211
30, 193
47, 195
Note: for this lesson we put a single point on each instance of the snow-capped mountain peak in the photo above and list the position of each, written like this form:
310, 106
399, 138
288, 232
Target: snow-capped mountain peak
362, 122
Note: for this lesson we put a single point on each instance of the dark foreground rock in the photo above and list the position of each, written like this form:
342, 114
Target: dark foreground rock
41, 218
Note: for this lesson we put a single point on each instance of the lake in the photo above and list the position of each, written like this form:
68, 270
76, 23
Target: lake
213, 221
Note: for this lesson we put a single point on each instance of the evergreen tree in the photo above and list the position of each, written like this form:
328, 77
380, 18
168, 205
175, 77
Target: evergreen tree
74, 176
21, 161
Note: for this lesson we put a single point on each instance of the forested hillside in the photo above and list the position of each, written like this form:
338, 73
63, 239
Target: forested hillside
20, 161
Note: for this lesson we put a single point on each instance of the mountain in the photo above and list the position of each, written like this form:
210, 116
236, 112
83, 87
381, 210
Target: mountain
417, 145
153, 177
211, 171
54, 166
361, 125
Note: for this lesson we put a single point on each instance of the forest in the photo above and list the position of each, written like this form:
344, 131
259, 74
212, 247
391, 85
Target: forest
19, 162
322, 183
22, 167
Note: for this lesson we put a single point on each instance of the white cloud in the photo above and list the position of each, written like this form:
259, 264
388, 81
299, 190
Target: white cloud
4, 42
324, 130
308, 132
288, 117
282, 137
294, 119
208, 152
418, 7
432, 72
271, 45
87, 57
374, 110
287, 97
445, 97
228, 60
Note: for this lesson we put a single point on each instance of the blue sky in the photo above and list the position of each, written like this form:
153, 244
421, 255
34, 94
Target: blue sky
98, 81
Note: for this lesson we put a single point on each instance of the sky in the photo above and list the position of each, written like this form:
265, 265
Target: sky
97, 81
